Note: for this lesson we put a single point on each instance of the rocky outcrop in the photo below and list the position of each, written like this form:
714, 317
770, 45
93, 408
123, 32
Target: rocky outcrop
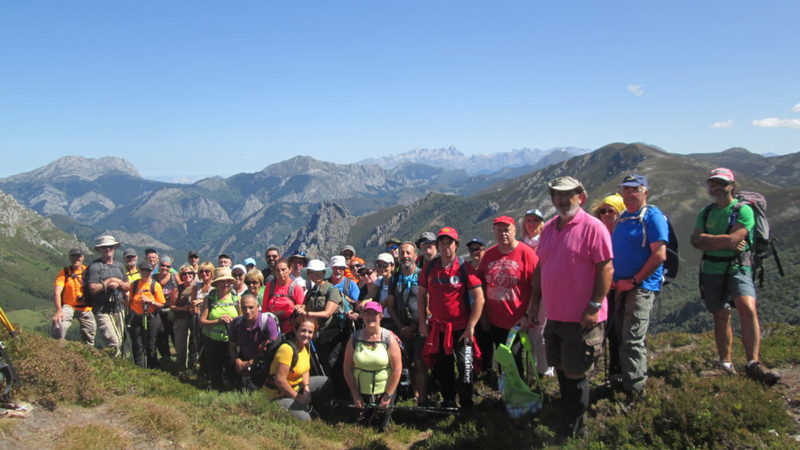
19, 222
325, 232
179, 205
90, 207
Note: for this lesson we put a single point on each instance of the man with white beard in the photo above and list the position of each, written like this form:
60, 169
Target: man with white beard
572, 279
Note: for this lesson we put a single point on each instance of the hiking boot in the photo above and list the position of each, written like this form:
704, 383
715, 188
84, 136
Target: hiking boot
720, 368
759, 372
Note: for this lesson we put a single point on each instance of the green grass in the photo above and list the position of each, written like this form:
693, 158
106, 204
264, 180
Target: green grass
681, 408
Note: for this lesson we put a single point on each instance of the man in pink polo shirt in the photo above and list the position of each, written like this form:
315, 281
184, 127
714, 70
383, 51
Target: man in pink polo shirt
572, 279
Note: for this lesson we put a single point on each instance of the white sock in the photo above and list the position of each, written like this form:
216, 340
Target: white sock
727, 365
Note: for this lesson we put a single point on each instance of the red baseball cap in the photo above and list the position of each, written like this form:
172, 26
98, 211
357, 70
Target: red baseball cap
449, 232
505, 220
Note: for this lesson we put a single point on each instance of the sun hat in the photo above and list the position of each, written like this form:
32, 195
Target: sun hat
350, 248
239, 267
449, 232
722, 173
373, 306
338, 261
316, 265
385, 257
222, 274
564, 184
105, 240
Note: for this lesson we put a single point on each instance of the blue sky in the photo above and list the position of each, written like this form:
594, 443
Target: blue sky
183, 88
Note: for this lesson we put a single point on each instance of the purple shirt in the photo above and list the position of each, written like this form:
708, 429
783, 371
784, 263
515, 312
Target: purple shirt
567, 260
248, 339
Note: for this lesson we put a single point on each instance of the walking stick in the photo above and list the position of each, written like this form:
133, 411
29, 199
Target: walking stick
145, 337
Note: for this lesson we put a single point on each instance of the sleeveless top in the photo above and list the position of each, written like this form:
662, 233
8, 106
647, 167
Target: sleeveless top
371, 367
217, 308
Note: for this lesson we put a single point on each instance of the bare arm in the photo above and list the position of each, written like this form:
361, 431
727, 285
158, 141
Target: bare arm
349, 377
658, 254
602, 283
707, 242
422, 307
281, 379
536, 296
475, 313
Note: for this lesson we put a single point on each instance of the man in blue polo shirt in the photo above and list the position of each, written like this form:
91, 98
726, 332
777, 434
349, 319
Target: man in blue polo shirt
640, 249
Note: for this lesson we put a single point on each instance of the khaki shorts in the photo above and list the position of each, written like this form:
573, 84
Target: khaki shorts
571, 349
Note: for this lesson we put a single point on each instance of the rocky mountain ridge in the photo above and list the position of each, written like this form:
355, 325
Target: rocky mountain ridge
451, 158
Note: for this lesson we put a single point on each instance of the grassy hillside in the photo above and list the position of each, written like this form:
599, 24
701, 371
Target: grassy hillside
129, 406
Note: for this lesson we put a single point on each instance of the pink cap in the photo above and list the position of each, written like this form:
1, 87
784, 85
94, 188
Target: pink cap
374, 306
722, 173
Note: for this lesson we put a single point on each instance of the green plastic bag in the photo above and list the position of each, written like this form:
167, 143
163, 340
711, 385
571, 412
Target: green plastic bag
517, 395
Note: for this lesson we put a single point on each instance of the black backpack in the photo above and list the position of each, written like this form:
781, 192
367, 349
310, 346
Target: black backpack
763, 241
259, 371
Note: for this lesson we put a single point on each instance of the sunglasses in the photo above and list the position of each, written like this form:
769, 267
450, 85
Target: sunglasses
187, 273
201, 272
166, 266
381, 265
365, 272
602, 211
238, 275
475, 249
717, 182
392, 247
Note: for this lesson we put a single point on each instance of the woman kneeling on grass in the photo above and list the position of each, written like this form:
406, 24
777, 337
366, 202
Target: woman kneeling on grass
373, 362
291, 382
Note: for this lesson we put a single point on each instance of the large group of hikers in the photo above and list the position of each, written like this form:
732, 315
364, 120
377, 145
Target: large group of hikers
421, 319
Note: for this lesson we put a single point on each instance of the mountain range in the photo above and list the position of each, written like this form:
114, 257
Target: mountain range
318, 206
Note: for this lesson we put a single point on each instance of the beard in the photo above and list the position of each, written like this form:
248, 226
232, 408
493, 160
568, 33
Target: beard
567, 215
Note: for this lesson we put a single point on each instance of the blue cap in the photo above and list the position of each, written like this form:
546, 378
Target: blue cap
249, 262
476, 241
634, 180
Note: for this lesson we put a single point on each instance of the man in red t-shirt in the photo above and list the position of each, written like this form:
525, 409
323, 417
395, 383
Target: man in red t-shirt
443, 288
506, 272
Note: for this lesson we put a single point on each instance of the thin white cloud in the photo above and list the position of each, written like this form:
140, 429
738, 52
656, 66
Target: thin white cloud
726, 124
796, 108
635, 89
774, 122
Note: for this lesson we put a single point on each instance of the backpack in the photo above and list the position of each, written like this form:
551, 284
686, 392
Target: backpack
268, 323
672, 263
259, 371
68, 273
405, 297
763, 242
135, 286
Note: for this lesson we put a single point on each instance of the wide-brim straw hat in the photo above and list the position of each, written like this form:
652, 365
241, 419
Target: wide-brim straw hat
222, 274
316, 265
105, 240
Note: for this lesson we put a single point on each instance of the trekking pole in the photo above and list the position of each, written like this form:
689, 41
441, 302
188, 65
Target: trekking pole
777, 258
315, 358
146, 307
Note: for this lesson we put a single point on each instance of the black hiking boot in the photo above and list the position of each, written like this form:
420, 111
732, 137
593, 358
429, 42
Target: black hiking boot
759, 372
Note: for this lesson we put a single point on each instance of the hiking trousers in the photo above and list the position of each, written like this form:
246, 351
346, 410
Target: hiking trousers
320, 393
632, 330
85, 319
450, 371
143, 342
185, 337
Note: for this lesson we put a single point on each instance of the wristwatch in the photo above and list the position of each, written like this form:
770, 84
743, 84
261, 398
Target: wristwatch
596, 305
